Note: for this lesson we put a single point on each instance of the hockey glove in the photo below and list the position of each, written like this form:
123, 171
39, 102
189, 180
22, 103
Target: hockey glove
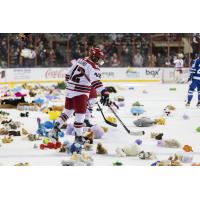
105, 98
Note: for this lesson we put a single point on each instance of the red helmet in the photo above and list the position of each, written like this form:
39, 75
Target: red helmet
97, 55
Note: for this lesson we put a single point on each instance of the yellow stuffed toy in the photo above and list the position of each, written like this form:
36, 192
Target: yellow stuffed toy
53, 115
6, 139
105, 129
160, 121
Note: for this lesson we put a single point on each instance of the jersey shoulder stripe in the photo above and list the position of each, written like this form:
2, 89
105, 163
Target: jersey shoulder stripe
94, 65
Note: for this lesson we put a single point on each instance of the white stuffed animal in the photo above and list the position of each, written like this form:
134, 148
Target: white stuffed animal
120, 152
132, 150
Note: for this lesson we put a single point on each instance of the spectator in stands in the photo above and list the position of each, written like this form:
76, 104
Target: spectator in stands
3, 50
160, 61
126, 56
152, 60
52, 57
42, 57
138, 60
107, 61
115, 60
14, 57
58, 49
113, 36
196, 42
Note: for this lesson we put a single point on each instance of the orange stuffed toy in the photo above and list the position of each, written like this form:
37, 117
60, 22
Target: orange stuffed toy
187, 148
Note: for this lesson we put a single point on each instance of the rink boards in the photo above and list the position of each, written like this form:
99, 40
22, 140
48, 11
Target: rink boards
109, 74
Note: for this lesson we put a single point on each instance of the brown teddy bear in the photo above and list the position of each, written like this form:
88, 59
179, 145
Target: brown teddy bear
89, 136
88, 147
172, 143
157, 136
101, 149
3, 131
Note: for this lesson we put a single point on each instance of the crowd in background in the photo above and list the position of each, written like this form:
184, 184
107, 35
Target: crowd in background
121, 49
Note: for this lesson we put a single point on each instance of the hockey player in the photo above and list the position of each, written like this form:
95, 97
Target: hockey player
178, 68
84, 74
195, 81
91, 100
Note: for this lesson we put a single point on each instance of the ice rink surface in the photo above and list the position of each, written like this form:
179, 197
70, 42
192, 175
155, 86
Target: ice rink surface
157, 97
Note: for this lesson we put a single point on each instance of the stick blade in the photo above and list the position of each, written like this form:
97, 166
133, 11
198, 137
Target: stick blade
111, 124
137, 133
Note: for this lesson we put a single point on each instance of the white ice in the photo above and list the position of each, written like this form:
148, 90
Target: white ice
158, 96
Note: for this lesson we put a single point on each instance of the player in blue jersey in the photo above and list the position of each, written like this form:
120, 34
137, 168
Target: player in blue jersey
195, 81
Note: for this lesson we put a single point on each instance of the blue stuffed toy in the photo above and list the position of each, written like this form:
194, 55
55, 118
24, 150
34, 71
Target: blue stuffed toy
75, 147
137, 110
39, 101
44, 128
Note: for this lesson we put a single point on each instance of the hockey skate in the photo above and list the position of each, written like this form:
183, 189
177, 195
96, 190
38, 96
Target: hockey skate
87, 123
187, 105
198, 104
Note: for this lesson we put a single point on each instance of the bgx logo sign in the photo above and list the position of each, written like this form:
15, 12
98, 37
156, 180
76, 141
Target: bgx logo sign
153, 73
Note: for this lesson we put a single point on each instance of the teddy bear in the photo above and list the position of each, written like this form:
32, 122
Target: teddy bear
86, 157
171, 143
3, 131
6, 139
146, 155
168, 110
168, 163
120, 152
33, 137
175, 161
88, 147
89, 136
105, 129
27, 106
195, 164
187, 148
83, 157
160, 121
75, 163
181, 158
65, 147
98, 131
75, 156
100, 149
78, 160
24, 131
132, 150
22, 164
157, 136
62, 149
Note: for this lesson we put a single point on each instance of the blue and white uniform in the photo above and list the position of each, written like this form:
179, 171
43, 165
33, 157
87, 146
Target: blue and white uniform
195, 78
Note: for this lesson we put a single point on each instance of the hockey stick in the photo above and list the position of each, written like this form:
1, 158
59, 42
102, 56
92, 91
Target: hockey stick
128, 131
110, 123
114, 104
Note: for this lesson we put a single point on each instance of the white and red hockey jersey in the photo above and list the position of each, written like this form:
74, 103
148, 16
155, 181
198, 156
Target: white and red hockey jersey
81, 76
178, 63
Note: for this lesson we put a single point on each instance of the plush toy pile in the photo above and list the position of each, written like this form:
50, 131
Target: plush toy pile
44, 104
176, 160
